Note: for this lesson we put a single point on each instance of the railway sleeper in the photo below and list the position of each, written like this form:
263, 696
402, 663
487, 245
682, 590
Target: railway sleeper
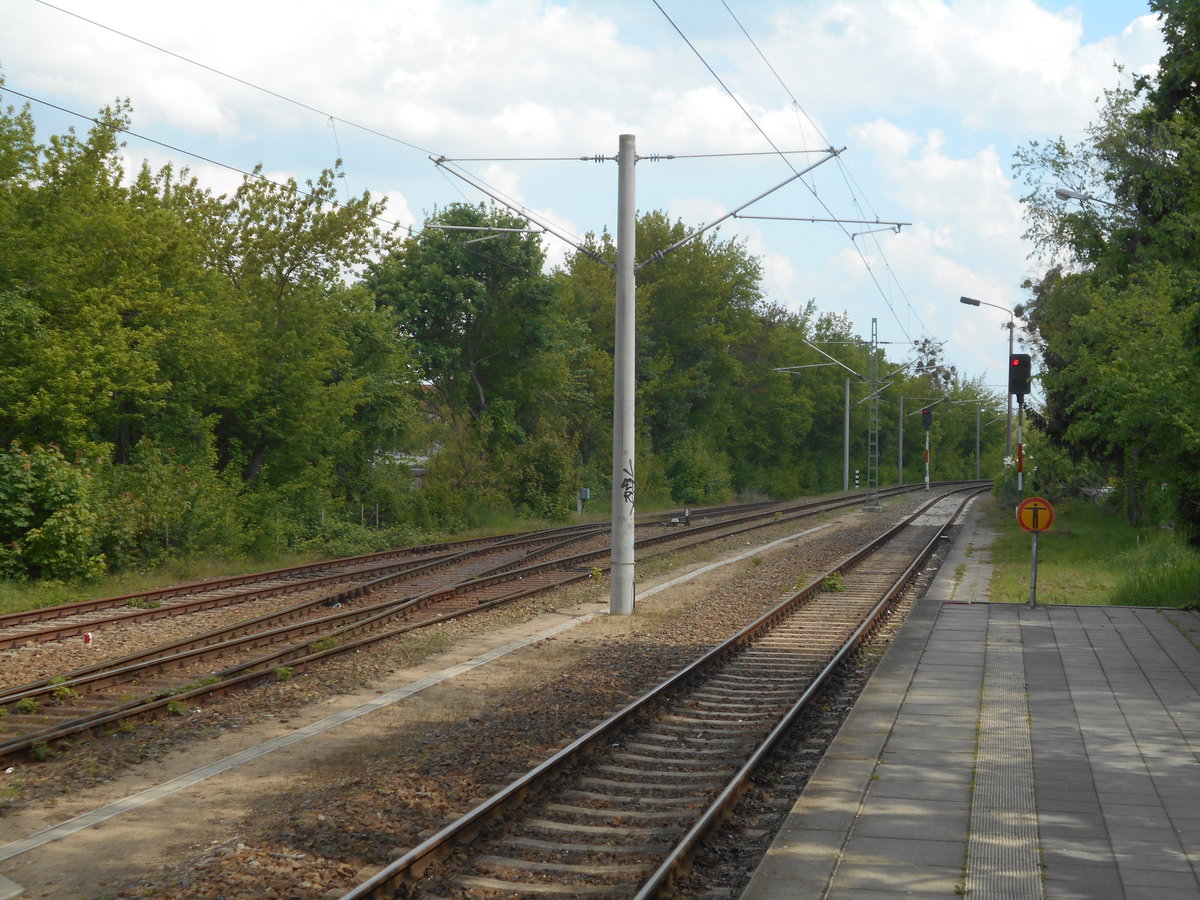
678, 754
502, 863
728, 713
779, 682
550, 826
613, 814
688, 792
666, 777
678, 803
476, 882
674, 760
719, 701
535, 845
688, 730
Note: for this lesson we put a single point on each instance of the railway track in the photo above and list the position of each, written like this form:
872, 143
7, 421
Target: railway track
417, 587
619, 811
86, 616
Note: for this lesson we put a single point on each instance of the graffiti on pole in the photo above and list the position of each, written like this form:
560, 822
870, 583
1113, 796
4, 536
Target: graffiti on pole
627, 484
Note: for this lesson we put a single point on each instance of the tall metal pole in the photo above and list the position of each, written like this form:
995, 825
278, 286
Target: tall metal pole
624, 451
926, 459
1020, 448
1012, 324
846, 443
978, 414
1033, 575
873, 423
1008, 440
900, 445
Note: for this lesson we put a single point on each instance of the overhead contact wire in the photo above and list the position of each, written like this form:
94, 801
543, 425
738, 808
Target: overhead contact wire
855, 190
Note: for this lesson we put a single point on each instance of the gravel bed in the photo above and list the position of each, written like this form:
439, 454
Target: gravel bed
334, 827
32, 661
726, 860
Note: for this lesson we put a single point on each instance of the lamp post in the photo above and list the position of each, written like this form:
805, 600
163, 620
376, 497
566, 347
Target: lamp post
1012, 322
1068, 194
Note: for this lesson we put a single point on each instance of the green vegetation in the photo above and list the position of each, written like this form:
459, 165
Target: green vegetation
326, 643
61, 693
1161, 570
1115, 318
834, 583
273, 374
190, 686
141, 603
1093, 556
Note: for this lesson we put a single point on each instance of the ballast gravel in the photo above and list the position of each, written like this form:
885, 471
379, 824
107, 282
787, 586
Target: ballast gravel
370, 800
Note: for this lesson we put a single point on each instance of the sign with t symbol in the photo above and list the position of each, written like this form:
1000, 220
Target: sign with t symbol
1035, 514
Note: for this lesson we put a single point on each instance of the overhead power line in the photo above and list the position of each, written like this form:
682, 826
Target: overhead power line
330, 117
241, 81
653, 157
213, 162
857, 249
851, 184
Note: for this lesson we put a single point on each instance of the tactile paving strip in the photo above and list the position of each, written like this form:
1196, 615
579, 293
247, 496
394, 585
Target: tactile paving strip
1002, 849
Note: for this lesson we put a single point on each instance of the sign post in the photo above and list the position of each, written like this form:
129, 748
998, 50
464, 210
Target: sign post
1035, 515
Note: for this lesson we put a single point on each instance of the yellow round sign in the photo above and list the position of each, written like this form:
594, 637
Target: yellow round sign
1035, 514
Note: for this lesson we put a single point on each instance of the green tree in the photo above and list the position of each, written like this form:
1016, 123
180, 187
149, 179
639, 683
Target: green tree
117, 325
286, 253
222, 333
48, 516
1117, 313
698, 323
506, 369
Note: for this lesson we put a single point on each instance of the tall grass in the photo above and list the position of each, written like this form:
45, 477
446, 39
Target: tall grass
1072, 555
19, 596
1159, 571
1093, 557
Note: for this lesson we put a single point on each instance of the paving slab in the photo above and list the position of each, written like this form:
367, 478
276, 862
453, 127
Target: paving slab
1007, 751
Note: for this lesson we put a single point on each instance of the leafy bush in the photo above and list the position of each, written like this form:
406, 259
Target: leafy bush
163, 504
49, 523
697, 474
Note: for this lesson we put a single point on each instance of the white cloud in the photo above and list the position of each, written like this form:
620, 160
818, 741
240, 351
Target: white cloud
930, 96
1007, 65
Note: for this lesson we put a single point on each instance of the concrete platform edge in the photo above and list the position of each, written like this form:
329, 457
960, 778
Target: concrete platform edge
839, 785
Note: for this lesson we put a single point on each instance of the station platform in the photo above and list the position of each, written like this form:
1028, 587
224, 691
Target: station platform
1003, 751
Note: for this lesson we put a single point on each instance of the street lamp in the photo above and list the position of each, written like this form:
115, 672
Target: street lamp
1068, 194
971, 301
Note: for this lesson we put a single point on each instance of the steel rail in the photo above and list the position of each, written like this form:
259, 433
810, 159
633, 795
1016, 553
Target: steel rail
375, 576
62, 610
77, 607
224, 640
678, 859
416, 861
346, 631
352, 630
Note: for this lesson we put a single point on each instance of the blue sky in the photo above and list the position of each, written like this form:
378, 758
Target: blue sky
929, 98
